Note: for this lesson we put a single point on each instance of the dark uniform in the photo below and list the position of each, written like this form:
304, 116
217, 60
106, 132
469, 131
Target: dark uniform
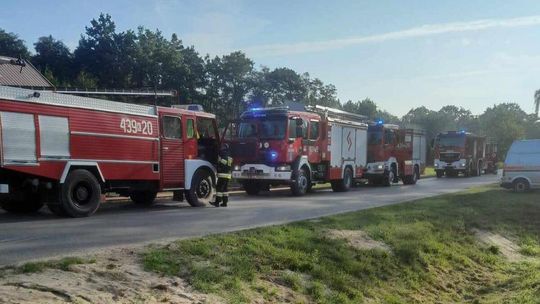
224, 175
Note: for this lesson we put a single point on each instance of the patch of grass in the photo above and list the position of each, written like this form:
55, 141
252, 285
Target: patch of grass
435, 255
62, 264
429, 172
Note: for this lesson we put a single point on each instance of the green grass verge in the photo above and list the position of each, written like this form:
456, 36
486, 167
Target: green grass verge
62, 264
429, 172
435, 256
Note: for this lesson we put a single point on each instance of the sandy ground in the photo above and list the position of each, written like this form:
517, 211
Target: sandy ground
357, 239
116, 277
507, 247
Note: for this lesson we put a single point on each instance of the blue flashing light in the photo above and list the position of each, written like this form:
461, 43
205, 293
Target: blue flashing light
273, 155
380, 122
463, 131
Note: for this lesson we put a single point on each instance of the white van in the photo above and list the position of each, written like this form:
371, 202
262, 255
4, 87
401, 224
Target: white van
522, 166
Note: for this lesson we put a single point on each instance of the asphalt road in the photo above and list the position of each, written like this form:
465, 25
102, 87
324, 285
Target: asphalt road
43, 235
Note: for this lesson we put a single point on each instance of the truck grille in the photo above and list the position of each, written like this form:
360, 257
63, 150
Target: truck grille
450, 157
244, 150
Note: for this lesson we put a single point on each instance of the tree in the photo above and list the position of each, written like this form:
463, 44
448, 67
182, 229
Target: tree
12, 46
53, 59
504, 123
105, 54
318, 93
536, 101
229, 80
364, 107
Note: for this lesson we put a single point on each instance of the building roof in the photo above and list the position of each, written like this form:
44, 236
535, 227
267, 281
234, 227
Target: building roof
17, 76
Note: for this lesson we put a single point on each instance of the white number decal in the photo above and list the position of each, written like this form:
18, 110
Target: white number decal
133, 126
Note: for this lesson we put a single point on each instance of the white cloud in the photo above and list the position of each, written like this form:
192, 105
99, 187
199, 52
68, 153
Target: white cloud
415, 32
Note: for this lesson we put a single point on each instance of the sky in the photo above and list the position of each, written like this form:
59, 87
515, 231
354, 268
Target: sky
401, 54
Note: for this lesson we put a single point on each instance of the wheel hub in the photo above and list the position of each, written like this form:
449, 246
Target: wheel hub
204, 189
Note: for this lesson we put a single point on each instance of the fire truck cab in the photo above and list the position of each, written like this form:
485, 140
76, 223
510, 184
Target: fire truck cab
395, 154
459, 152
299, 148
66, 151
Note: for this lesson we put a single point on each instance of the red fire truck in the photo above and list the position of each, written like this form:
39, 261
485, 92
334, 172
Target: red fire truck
395, 154
66, 151
459, 152
297, 147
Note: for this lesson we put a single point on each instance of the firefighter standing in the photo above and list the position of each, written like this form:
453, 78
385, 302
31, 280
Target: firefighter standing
224, 175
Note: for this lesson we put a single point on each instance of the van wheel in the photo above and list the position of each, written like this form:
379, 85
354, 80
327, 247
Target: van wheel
344, 184
521, 185
80, 194
202, 189
251, 187
26, 203
143, 198
439, 173
301, 183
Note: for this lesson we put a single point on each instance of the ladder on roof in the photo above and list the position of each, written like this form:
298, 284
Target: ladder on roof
336, 113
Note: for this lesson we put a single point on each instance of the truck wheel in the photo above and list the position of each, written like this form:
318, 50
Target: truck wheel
389, 178
411, 179
80, 194
521, 185
143, 198
251, 187
439, 173
301, 183
202, 189
344, 184
27, 203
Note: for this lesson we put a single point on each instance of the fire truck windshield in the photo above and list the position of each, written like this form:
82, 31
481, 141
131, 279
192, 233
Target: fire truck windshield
270, 128
375, 138
451, 141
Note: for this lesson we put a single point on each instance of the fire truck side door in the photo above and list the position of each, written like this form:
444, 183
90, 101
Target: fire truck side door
172, 151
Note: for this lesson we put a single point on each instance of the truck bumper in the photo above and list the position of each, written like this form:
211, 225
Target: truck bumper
4, 189
373, 175
261, 172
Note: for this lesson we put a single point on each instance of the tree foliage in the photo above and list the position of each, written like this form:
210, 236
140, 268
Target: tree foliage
12, 46
226, 85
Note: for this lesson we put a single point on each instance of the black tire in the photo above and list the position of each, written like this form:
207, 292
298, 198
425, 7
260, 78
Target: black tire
389, 178
301, 183
202, 189
26, 203
521, 185
412, 179
345, 184
143, 198
439, 173
80, 194
251, 187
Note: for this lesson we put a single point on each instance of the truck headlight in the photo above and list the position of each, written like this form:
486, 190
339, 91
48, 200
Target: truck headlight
266, 145
463, 164
379, 167
436, 165
236, 168
283, 168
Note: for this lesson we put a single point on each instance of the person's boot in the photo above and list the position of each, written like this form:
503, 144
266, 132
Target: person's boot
215, 203
224, 204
